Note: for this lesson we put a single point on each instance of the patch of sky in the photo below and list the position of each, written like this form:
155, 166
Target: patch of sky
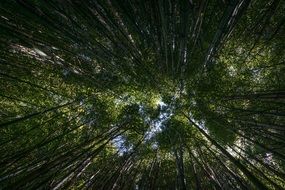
155, 127
120, 144
157, 124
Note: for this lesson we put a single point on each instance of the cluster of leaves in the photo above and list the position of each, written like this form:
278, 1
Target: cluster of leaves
142, 94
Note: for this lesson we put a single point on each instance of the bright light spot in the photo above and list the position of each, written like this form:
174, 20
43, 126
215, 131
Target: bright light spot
156, 125
39, 52
160, 103
119, 143
4, 18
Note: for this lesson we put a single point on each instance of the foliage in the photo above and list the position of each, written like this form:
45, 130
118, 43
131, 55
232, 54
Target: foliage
142, 94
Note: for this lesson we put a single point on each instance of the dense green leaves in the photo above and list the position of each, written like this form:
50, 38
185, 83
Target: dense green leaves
142, 94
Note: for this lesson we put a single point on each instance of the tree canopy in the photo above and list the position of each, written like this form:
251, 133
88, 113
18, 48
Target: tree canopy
142, 94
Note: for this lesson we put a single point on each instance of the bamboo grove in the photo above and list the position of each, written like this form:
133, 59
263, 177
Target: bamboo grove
142, 94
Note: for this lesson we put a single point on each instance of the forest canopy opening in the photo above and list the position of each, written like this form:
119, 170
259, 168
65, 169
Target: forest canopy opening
154, 94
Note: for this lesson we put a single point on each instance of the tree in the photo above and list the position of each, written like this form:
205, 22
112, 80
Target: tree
142, 94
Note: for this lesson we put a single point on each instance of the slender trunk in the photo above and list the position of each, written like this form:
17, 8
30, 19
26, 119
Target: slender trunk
236, 162
180, 167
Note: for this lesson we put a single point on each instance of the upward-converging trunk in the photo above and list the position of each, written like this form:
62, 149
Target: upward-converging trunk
180, 167
236, 162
